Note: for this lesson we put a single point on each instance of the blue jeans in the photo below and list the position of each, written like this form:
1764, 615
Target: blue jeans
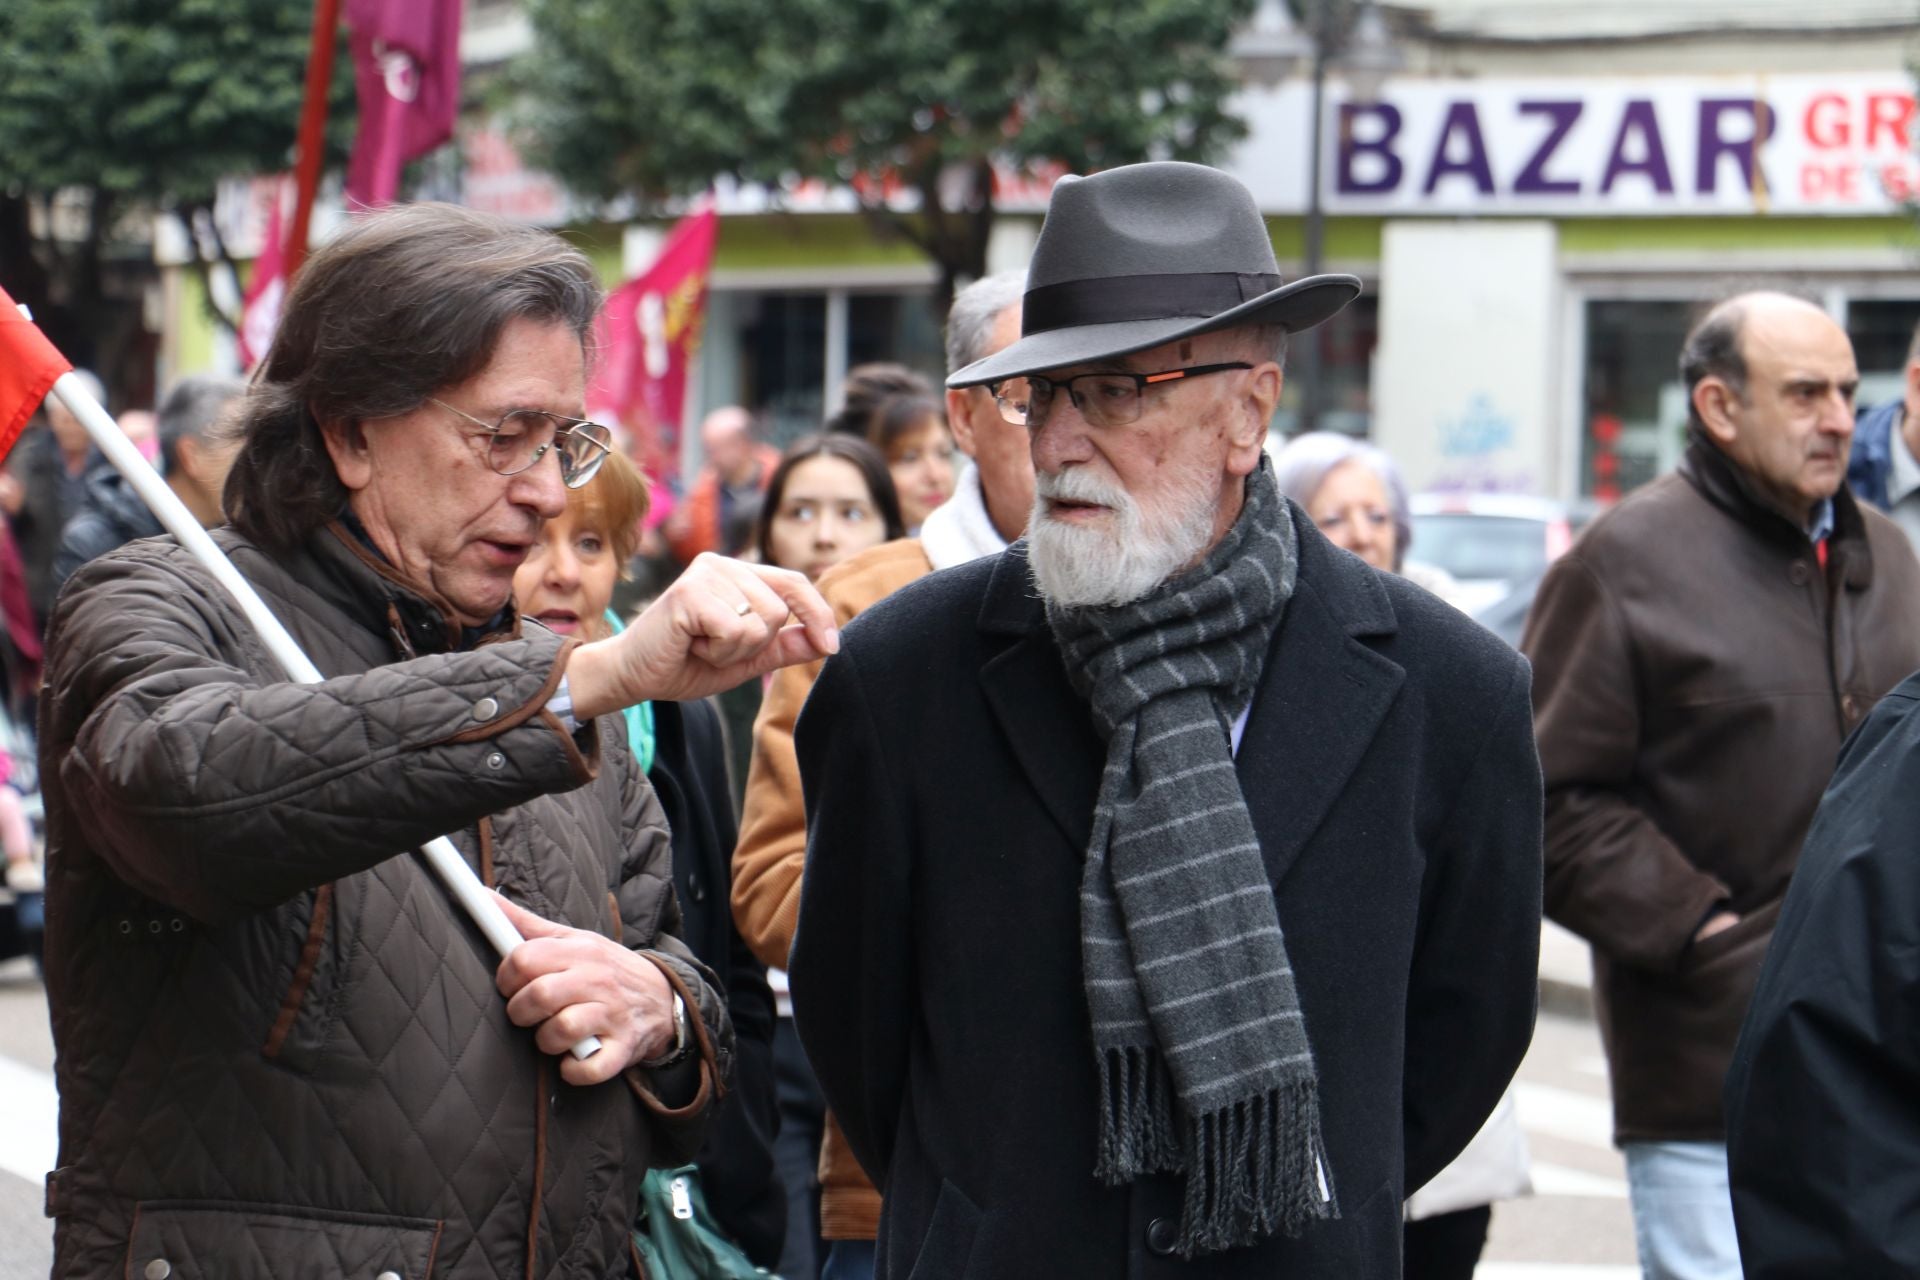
1682, 1210
849, 1260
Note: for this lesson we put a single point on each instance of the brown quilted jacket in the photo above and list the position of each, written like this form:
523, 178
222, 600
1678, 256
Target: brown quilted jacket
280, 1047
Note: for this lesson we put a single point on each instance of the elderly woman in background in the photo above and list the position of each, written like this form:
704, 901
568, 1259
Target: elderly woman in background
567, 583
277, 1039
1353, 492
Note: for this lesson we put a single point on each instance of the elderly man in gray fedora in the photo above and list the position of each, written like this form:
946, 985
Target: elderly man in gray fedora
1173, 883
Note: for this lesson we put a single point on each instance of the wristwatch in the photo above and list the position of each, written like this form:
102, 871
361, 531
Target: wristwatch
682, 1039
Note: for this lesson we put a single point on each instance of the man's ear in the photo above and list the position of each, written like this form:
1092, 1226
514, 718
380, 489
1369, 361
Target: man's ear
188, 455
1249, 434
346, 441
1715, 401
960, 406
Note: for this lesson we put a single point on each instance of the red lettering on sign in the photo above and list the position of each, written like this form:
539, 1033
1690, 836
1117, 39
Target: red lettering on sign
1892, 114
1825, 123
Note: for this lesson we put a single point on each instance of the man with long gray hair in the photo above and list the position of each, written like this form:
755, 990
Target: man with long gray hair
1173, 879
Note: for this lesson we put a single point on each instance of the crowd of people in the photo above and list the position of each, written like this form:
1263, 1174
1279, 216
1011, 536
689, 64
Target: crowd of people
1027, 827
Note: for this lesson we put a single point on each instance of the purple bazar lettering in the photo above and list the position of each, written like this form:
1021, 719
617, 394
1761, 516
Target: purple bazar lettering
1639, 119
1352, 147
1714, 144
1533, 180
1462, 122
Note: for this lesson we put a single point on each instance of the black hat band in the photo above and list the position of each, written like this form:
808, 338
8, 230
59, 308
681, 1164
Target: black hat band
1111, 299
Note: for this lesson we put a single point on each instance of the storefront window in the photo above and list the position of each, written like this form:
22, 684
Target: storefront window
1882, 333
1636, 410
1346, 343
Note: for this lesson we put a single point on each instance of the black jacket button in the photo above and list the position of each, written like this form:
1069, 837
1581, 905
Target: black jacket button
1161, 1235
1797, 573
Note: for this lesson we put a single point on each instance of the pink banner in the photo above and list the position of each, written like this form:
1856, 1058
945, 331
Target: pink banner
649, 334
266, 288
406, 67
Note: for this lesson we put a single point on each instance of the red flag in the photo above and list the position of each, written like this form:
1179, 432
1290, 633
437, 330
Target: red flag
28, 366
406, 66
266, 290
649, 333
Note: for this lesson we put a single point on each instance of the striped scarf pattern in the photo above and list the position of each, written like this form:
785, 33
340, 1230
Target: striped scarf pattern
1205, 1066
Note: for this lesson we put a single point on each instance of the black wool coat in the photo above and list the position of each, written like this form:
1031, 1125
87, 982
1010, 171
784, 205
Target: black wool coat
1823, 1096
950, 774
737, 1172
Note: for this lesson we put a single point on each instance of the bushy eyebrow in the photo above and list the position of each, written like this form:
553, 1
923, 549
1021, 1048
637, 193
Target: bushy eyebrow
1819, 386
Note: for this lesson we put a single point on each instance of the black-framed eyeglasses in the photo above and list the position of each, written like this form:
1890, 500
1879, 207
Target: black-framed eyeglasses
523, 436
1103, 399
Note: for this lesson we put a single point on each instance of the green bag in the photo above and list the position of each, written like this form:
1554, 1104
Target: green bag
676, 1236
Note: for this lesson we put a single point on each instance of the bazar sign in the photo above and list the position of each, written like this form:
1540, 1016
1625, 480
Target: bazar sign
1706, 145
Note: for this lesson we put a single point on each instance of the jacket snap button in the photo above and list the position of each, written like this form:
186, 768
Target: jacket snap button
1798, 573
158, 1269
696, 890
486, 709
1161, 1235
495, 760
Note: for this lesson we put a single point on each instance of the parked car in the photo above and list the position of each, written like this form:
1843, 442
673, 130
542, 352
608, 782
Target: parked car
1489, 543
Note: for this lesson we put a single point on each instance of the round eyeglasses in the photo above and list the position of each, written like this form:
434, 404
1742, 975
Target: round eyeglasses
1103, 399
524, 436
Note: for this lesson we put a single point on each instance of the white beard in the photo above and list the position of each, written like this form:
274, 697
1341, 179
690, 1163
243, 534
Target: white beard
1078, 568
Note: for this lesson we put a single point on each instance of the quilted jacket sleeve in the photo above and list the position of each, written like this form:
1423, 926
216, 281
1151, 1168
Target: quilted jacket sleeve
207, 788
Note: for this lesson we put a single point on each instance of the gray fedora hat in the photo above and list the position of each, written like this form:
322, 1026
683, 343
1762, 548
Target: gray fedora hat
1144, 254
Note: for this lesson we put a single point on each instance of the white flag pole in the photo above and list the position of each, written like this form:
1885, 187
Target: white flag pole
165, 504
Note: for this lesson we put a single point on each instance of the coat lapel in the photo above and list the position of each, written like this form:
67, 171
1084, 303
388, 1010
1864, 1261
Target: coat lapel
1047, 726
1320, 701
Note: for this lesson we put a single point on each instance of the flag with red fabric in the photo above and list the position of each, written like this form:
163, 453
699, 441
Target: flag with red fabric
649, 334
406, 69
29, 364
266, 289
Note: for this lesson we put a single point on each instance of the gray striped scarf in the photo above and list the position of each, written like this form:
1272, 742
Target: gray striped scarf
1205, 1069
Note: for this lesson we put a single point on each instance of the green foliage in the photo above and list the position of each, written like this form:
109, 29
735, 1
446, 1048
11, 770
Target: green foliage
655, 97
154, 100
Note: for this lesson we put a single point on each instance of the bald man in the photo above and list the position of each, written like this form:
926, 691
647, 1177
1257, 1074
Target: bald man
1698, 658
721, 505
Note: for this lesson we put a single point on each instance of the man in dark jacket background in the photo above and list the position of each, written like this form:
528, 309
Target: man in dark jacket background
1171, 898
44, 484
1698, 658
193, 460
1823, 1096
1884, 468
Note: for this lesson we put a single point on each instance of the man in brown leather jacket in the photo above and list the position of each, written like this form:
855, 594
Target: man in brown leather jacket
1699, 657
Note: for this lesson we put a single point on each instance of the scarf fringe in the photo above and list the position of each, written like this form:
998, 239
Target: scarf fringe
1255, 1168
1138, 1133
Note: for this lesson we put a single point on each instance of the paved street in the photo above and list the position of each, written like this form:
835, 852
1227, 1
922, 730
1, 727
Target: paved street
26, 1123
1575, 1227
